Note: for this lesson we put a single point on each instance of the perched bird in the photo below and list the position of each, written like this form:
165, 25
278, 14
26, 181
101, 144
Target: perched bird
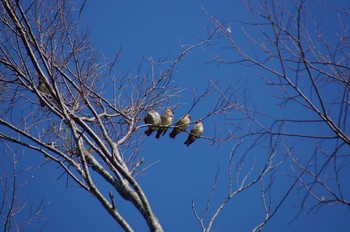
166, 120
42, 87
195, 133
181, 125
152, 118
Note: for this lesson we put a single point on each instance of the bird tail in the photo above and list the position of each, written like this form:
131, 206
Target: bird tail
165, 131
172, 135
148, 132
158, 135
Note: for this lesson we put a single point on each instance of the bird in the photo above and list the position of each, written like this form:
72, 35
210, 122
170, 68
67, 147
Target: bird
180, 125
42, 87
153, 119
195, 133
166, 120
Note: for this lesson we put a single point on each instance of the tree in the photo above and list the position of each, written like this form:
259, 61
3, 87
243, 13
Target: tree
306, 71
55, 102
89, 120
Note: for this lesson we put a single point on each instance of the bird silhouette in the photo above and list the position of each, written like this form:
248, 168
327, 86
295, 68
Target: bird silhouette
42, 87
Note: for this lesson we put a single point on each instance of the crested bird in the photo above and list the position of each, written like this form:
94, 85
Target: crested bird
153, 119
166, 120
195, 133
180, 125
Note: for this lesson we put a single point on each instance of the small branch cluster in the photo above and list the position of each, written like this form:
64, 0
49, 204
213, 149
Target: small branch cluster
13, 206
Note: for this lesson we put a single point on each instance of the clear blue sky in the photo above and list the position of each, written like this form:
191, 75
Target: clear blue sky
155, 29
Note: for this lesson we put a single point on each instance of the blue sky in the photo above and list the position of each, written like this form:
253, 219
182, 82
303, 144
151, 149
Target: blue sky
156, 29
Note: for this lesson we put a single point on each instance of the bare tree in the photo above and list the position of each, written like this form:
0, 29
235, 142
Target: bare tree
50, 71
61, 99
306, 72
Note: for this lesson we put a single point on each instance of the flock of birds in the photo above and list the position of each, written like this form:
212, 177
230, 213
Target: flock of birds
156, 122
162, 123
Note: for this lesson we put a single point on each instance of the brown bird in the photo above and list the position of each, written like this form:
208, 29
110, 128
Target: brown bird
181, 125
166, 120
42, 87
195, 133
153, 119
